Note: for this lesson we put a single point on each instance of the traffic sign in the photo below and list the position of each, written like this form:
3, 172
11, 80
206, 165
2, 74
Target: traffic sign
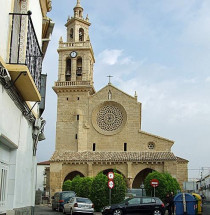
154, 182
110, 175
110, 184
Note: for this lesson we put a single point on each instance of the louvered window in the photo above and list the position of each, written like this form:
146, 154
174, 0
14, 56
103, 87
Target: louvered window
3, 184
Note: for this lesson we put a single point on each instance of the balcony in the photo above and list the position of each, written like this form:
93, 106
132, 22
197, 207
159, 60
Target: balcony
25, 56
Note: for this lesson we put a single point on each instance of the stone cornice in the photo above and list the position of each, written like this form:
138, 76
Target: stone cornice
71, 88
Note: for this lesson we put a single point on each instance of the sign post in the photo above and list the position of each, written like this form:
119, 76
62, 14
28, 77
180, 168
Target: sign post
154, 183
110, 184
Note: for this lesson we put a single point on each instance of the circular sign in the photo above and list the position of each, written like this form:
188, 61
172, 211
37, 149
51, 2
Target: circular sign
110, 175
154, 182
110, 184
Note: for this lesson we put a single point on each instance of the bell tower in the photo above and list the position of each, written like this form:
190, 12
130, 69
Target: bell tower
75, 83
76, 57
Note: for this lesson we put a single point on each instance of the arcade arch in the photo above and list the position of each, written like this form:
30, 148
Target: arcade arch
73, 174
140, 177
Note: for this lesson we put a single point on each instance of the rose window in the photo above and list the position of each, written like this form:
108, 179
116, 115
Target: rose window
109, 118
151, 145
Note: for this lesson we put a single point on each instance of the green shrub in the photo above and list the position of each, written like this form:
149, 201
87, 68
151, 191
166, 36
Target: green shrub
97, 189
119, 190
85, 187
167, 184
66, 185
100, 191
75, 184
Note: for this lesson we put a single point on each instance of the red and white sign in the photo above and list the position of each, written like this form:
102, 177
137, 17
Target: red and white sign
110, 175
110, 184
154, 182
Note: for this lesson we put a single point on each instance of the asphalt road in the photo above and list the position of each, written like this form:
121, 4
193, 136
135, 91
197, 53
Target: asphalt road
206, 208
46, 210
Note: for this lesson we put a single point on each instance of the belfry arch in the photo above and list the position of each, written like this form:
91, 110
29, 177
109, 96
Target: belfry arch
73, 174
140, 177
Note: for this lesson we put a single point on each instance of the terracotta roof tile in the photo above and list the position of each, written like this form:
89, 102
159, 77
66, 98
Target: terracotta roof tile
182, 160
44, 163
112, 156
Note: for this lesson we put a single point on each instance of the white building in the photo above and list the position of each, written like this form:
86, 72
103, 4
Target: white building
24, 36
41, 181
203, 187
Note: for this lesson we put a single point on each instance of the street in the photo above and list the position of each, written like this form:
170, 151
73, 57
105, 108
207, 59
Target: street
46, 210
206, 208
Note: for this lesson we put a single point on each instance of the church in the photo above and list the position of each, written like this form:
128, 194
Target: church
101, 131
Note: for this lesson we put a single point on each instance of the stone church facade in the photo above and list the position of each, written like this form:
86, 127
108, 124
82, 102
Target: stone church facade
101, 131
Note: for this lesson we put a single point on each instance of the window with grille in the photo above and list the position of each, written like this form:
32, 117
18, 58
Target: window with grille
151, 145
3, 184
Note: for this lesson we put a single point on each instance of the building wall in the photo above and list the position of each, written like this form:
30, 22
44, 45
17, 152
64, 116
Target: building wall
203, 187
130, 170
41, 178
4, 23
34, 6
182, 173
16, 142
68, 126
20, 161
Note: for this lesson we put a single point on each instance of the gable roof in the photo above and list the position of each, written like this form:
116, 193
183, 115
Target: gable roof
112, 86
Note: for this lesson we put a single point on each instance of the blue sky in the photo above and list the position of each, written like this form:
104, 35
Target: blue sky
158, 48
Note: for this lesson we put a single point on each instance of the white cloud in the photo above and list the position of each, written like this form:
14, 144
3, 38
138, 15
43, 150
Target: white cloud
110, 56
197, 29
190, 81
207, 79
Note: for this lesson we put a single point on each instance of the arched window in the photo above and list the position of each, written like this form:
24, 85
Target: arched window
79, 67
71, 33
81, 34
68, 69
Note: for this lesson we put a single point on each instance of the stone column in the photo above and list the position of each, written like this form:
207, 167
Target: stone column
56, 180
90, 169
129, 175
73, 69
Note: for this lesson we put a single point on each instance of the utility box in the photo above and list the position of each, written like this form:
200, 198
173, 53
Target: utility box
185, 204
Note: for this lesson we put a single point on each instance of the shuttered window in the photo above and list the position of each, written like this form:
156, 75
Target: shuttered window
3, 184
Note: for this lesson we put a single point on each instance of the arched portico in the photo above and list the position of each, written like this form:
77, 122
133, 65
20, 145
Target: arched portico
106, 171
73, 174
140, 177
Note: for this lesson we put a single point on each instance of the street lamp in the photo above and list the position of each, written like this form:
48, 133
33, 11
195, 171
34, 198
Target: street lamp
142, 189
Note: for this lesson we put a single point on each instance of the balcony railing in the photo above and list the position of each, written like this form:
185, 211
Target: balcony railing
71, 83
24, 46
75, 44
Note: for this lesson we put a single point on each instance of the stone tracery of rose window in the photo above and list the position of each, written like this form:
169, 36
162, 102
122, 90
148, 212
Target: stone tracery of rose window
109, 118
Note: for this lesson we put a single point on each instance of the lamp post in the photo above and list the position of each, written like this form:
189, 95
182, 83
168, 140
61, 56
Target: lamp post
142, 189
